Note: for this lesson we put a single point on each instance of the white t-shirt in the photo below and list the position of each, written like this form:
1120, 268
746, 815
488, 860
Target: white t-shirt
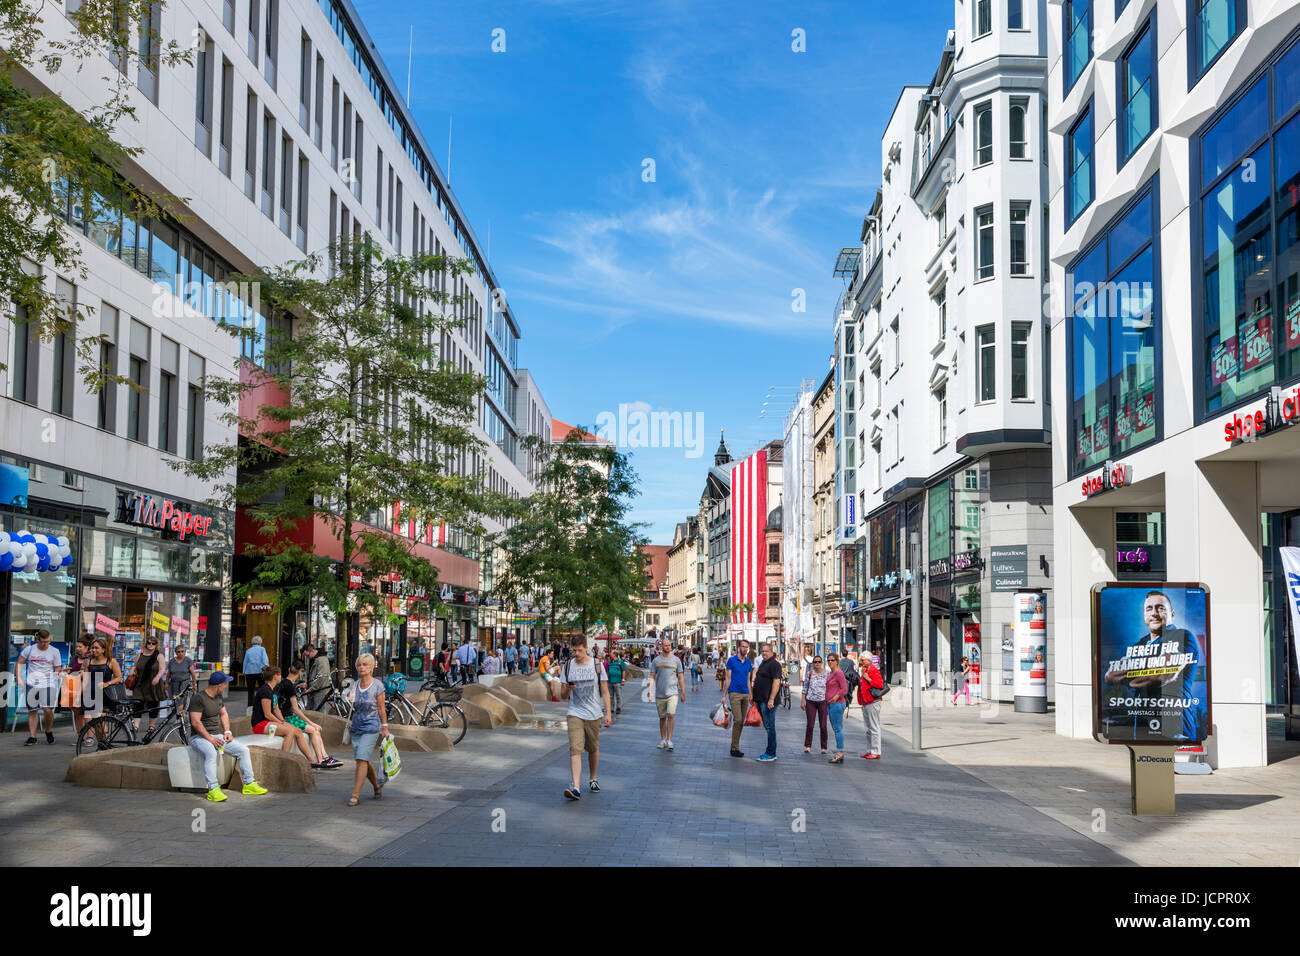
585, 700
41, 664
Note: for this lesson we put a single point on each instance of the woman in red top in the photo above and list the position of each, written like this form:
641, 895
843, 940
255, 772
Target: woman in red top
837, 698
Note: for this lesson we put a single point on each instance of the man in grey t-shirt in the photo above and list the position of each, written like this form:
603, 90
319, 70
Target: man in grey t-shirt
670, 687
584, 683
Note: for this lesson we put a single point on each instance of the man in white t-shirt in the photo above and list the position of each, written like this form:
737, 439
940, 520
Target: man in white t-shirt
40, 669
585, 685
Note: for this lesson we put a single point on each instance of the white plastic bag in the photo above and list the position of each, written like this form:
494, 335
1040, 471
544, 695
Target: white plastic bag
391, 759
647, 694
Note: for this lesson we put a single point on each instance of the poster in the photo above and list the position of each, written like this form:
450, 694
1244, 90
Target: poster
1223, 362
1256, 341
1008, 657
1151, 662
1030, 632
1293, 323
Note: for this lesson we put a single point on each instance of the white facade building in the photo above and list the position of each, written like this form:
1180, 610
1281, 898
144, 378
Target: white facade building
1175, 161
797, 521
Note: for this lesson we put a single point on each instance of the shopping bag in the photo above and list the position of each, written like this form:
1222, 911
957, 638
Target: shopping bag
392, 760
720, 716
752, 719
647, 694
70, 692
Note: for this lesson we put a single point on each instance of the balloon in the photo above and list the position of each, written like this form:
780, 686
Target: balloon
20, 560
67, 560
42, 550
4, 540
63, 541
30, 550
6, 560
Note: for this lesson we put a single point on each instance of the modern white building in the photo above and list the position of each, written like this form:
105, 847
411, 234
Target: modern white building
945, 313
1175, 162
797, 522
284, 132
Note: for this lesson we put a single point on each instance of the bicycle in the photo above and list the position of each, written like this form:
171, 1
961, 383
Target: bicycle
441, 710
784, 695
117, 729
336, 703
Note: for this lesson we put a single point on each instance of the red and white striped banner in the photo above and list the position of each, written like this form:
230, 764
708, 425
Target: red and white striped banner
748, 526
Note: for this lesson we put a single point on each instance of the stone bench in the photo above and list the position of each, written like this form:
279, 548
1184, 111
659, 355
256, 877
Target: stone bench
133, 768
520, 705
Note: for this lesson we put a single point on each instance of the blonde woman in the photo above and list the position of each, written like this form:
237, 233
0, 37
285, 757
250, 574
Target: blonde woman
368, 725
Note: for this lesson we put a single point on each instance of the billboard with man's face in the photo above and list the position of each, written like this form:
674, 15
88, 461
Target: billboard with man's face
1151, 662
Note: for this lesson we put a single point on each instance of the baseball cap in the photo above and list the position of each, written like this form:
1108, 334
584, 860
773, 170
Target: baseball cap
218, 678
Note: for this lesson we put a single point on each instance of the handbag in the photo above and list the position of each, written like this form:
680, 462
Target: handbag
752, 719
130, 680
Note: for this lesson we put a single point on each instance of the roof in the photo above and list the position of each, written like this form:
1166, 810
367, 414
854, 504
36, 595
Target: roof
774, 519
656, 564
560, 431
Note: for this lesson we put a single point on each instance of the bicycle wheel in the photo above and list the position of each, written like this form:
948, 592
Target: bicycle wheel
450, 718
396, 713
333, 707
104, 733
177, 733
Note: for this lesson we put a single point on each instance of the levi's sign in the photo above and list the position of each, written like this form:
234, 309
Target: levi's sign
1112, 476
153, 511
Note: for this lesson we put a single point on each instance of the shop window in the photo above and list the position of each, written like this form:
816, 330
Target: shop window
1140, 545
1249, 293
1113, 343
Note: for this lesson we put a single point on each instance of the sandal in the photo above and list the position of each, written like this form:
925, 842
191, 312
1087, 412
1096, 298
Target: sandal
807, 750
379, 793
838, 758
353, 801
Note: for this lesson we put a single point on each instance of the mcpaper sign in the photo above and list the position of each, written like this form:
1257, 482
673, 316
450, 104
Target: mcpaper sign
156, 512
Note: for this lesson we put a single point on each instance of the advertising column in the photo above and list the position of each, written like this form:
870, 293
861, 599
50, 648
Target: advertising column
971, 651
1030, 621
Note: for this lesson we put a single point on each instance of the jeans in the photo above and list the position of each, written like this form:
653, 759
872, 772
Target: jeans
616, 696
209, 754
815, 712
836, 713
510, 667
871, 717
739, 708
769, 724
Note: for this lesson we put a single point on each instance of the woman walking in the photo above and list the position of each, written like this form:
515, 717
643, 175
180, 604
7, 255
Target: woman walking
965, 682
103, 681
148, 688
837, 699
814, 703
367, 727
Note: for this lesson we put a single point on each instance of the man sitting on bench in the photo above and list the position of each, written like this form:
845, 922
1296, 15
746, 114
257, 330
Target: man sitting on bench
208, 717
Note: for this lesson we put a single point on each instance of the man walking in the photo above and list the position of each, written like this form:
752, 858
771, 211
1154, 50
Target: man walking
670, 687
318, 676
872, 681
615, 671
40, 667
466, 662
767, 684
255, 660
512, 656
586, 688
740, 689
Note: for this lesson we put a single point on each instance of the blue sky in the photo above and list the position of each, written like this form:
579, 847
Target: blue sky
675, 294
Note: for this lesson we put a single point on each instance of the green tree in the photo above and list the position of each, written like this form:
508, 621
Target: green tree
569, 547
60, 166
351, 413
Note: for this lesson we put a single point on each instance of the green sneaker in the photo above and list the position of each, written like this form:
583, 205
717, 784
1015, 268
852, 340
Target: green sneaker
254, 789
216, 796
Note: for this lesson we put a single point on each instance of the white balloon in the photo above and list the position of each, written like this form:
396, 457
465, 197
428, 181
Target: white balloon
30, 551
20, 561
63, 541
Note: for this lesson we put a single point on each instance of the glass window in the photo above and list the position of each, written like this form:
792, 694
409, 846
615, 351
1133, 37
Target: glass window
983, 18
1078, 39
983, 134
1020, 359
1237, 131
984, 243
1015, 15
1079, 164
107, 554
1016, 129
1019, 239
1286, 94
1113, 340
940, 516
1216, 23
965, 512
1136, 93
986, 364
941, 416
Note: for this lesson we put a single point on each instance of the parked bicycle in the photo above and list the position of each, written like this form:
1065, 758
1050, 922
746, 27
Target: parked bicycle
116, 727
441, 708
336, 703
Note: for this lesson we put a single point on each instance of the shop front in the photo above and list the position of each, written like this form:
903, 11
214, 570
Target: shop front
143, 565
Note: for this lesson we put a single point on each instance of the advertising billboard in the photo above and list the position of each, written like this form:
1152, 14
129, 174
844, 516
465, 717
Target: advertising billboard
1151, 662
1029, 625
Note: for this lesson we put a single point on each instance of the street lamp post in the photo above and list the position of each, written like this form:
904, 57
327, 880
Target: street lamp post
916, 640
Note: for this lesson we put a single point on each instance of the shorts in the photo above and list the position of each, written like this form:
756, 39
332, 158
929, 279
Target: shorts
363, 745
584, 735
295, 721
667, 705
265, 727
38, 696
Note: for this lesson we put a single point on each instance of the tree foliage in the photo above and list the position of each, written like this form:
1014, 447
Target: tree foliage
61, 162
569, 547
352, 412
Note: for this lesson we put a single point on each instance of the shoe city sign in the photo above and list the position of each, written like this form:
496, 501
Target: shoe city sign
1111, 476
1279, 409
153, 511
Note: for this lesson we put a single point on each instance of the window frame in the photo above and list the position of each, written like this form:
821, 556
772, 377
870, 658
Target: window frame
987, 7
1201, 189
1086, 113
993, 243
980, 377
1021, 103
984, 108
1150, 187
1020, 6
1125, 150
940, 396
1194, 75
1027, 346
1067, 10
1022, 206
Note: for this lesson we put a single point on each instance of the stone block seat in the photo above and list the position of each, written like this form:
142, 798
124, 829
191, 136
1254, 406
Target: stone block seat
481, 696
131, 768
185, 764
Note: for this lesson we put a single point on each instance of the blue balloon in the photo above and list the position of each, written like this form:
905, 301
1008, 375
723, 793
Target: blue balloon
67, 560
6, 560
42, 551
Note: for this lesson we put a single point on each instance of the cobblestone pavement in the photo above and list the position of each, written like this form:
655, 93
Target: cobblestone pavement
698, 805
